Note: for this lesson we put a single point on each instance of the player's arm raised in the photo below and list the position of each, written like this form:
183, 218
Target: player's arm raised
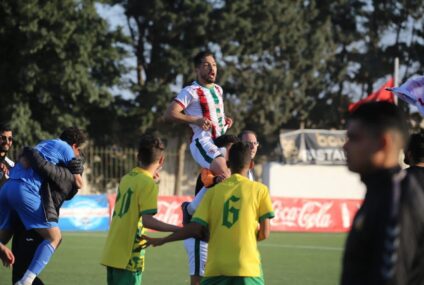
151, 222
175, 113
264, 230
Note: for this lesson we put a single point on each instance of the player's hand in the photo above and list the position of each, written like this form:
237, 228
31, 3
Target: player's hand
4, 169
76, 165
6, 256
229, 122
152, 241
204, 123
156, 175
219, 178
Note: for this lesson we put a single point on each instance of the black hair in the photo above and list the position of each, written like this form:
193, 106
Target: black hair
246, 132
150, 149
380, 117
73, 135
5, 127
224, 140
239, 157
416, 147
198, 58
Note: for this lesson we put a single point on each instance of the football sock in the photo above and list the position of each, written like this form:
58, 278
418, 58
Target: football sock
191, 208
28, 278
41, 257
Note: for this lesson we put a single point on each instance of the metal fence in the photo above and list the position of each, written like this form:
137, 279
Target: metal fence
105, 166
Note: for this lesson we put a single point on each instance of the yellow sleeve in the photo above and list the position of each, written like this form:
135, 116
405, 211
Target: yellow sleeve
148, 199
202, 216
265, 204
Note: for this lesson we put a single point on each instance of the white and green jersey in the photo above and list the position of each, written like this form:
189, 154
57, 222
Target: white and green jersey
199, 101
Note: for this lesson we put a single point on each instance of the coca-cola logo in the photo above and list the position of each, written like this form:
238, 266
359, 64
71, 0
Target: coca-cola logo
311, 214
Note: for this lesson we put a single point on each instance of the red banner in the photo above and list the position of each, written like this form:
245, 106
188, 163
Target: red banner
291, 214
313, 215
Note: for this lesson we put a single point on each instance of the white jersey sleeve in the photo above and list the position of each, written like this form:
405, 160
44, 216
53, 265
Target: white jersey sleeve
184, 98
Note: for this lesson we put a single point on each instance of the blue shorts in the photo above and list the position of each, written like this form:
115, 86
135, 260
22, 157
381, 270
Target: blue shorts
17, 196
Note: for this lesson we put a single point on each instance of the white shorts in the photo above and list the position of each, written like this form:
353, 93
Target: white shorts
204, 151
197, 252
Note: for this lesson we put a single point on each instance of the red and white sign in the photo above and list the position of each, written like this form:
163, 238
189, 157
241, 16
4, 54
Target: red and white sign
313, 215
291, 214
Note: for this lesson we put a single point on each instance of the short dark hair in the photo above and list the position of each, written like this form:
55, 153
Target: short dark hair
150, 149
224, 140
239, 157
198, 58
416, 146
5, 127
380, 117
73, 135
247, 132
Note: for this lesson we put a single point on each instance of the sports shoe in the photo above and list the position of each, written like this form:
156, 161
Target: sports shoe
186, 215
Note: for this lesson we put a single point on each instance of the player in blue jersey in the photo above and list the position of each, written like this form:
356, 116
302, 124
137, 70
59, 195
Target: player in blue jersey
21, 193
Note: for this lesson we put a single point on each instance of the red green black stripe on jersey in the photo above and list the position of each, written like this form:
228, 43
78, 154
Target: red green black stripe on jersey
205, 108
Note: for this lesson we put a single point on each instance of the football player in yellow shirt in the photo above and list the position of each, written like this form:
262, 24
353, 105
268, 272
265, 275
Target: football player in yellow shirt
136, 203
231, 211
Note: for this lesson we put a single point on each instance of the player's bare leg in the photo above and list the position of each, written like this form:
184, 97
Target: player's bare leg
52, 234
219, 167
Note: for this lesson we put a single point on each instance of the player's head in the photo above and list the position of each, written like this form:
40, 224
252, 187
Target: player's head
205, 67
150, 150
225, 142
414, 152
75, 138
376, 134
239, 157
6, 138
251, 139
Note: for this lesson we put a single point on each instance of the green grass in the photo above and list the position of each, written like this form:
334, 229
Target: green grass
288, 258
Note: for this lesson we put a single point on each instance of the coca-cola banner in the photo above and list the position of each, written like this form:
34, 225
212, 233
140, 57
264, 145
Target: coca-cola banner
291, 214
313, 147
313, 215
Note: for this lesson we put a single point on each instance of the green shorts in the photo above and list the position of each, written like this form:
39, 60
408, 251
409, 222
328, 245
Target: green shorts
236, 280
117, 276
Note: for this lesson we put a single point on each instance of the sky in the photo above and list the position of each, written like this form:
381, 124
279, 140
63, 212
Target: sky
115, 16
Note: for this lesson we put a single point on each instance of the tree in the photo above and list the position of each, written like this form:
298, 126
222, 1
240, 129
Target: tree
58, 59
275, 59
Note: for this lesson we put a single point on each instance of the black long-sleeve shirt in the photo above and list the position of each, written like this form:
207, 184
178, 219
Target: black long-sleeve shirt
386, 242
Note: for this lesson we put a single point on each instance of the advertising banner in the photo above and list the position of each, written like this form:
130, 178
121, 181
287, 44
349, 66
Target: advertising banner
85, 213
291, 214
93, 212
313, 215
322, 147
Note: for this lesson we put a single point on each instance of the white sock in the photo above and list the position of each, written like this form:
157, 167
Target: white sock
191, 208
28, 278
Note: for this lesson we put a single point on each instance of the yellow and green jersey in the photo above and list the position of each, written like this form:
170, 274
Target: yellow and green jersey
232, 210
137, 195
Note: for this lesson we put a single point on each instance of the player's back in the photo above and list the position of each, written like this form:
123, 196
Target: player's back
137, 195
235, 208
55, 151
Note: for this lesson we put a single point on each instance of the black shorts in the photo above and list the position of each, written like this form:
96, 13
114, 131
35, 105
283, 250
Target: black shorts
24, 245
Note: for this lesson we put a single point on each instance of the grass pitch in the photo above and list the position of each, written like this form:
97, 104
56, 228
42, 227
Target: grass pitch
288, 258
